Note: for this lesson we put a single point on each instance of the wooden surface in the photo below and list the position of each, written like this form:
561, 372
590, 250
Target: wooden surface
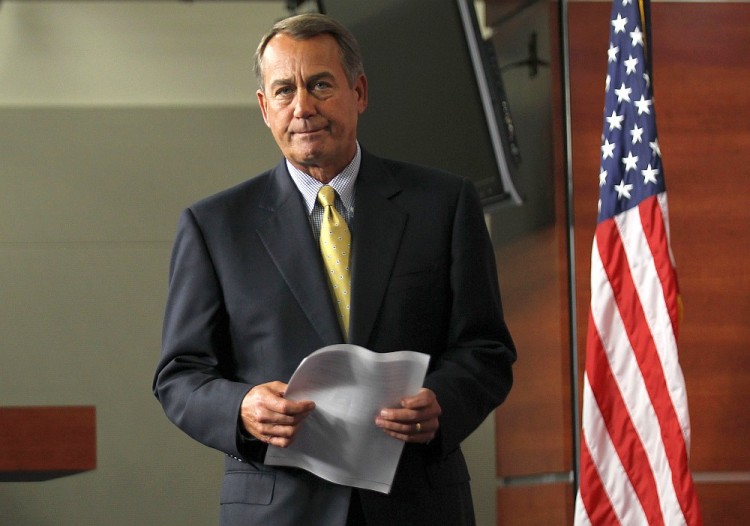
700, 77
533, 427
41, 443
724, 503
700, 74
701, 70
534, 431
543, 504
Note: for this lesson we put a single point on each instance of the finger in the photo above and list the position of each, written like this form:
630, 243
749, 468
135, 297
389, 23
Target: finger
255, 409
277, 434
401, 416
269, 417
277, 441
415, 427
425, 402
417, 433
267, 403
272, 396
263, 417
422, 399
280, 435
298, 408
288, 413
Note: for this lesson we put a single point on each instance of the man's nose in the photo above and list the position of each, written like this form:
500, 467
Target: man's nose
304, 105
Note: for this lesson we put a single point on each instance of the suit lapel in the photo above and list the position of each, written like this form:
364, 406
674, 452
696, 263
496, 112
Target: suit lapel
378, 229
289, 242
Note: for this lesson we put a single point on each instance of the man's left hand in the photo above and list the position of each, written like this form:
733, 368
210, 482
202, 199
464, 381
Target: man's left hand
415, 421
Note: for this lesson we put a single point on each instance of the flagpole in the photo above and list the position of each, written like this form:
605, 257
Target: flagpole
570, 240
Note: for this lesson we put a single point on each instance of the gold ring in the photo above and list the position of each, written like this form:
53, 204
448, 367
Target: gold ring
419, 427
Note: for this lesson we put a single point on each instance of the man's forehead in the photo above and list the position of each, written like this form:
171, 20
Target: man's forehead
286, 56
284, 44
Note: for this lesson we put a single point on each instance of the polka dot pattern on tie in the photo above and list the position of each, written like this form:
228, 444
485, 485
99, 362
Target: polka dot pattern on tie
335, 247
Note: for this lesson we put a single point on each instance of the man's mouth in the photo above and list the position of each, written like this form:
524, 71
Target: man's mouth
311, 131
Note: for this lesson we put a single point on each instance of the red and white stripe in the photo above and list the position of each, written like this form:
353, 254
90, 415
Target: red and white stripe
636, 428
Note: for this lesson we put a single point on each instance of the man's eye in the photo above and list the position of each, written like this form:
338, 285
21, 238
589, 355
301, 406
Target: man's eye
284, 92
321, 85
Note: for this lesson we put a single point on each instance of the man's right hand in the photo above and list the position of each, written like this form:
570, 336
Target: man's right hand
270, 417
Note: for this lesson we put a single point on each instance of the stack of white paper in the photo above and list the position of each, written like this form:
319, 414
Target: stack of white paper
339, 440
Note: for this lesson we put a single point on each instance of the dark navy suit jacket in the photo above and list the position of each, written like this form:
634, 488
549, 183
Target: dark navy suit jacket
248, 301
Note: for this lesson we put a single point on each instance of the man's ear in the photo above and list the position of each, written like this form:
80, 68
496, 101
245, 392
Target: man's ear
262, 103
360, 86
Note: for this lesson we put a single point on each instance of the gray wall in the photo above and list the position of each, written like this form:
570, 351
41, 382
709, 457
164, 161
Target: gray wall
89, 199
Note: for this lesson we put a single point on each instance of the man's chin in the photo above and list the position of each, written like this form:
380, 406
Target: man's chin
307, 154
307, 140
309, 158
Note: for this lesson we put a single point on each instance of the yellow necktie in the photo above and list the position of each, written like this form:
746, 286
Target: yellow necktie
335, 246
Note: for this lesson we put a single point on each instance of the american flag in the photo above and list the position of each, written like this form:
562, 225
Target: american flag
636, 429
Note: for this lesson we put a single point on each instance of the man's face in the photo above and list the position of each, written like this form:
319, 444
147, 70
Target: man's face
308, 104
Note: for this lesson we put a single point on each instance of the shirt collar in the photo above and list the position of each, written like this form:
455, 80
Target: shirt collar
343, 183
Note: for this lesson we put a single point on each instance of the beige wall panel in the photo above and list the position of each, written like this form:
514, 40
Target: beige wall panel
120, 174
89, 201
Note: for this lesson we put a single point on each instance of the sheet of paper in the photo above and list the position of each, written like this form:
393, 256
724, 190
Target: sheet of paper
339, 440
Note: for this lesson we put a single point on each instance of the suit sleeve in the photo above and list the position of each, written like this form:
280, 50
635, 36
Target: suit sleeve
473, 375
196, 393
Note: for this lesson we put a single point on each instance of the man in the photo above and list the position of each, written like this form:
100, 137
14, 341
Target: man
249, 298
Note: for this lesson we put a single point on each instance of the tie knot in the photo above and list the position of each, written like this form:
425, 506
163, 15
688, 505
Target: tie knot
327, 195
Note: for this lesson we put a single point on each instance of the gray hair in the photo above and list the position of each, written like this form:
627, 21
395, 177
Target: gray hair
310, 25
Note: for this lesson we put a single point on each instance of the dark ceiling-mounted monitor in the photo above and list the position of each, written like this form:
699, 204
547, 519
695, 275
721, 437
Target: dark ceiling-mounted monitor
436, 94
